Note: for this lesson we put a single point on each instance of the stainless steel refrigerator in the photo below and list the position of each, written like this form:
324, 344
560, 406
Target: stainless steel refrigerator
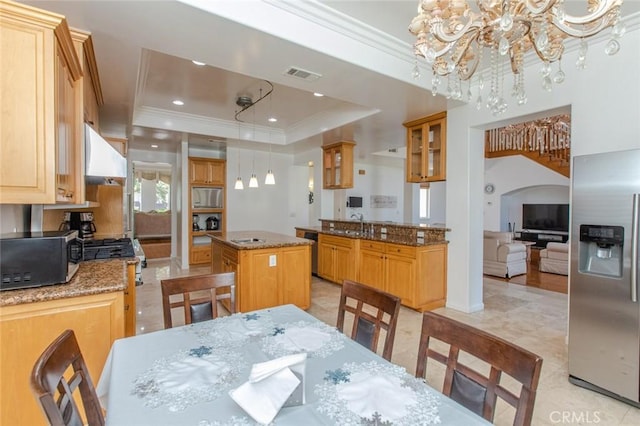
604, 307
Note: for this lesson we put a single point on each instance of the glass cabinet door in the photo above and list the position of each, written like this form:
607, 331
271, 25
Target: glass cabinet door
426, 149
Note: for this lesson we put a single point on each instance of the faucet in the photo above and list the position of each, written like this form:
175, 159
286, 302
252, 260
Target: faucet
360, 217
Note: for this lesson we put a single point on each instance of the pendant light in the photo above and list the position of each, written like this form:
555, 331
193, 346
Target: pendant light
270, 179
239, 184
253, 181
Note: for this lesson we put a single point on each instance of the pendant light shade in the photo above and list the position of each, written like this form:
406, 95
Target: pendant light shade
239, 184
270, 179
253, 182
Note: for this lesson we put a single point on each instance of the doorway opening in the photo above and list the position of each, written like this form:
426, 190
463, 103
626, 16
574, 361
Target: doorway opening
152, 210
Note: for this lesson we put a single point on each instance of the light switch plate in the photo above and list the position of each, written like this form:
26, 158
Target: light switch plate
272, 260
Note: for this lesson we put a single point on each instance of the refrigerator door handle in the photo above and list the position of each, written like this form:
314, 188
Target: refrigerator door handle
634, 248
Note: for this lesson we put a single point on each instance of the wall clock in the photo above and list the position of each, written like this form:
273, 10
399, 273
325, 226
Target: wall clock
489, 188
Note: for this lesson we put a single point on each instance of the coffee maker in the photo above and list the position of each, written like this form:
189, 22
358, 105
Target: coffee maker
80, 221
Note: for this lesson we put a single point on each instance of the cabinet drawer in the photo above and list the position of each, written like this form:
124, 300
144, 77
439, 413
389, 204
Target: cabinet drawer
401, 250
337, 241
372, 245
201, 254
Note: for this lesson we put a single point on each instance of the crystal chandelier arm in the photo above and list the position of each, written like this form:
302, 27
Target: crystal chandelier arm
605, 21
604, 7
553, 54
538, 10
438, 32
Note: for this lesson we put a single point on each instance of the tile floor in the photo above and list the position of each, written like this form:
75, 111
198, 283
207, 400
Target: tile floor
531, 317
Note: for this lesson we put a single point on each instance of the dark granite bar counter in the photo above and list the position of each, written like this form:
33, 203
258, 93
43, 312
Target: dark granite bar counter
409, 234
254, 240
93, 277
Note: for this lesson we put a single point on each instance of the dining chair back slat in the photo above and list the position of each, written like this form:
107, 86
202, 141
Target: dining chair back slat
476, 391
55, 392
220, 287
374, 311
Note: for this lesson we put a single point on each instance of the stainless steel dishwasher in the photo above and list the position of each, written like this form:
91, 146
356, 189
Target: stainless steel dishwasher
309, 235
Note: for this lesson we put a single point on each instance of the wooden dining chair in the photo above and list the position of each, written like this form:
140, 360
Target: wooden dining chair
54, 391
369, 306
220, 287
476, 391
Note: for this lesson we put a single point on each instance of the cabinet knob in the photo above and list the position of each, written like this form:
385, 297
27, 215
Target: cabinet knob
126, 307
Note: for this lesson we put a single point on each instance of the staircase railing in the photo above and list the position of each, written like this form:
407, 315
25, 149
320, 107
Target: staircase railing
546, 141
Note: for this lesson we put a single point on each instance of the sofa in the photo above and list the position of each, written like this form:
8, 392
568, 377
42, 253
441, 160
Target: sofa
153, 231
502, 256
555, 258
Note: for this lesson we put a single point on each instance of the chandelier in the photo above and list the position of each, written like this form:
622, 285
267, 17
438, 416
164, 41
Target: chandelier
452, 37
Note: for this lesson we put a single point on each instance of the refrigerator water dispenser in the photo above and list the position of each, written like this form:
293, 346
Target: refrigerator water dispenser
601, 250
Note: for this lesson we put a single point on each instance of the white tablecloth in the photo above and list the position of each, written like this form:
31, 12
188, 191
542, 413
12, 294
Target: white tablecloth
182, 376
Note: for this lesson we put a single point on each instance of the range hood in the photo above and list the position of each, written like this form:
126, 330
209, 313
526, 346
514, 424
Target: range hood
102, 161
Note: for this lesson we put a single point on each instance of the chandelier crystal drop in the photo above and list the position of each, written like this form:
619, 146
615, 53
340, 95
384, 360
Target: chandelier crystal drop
451, 36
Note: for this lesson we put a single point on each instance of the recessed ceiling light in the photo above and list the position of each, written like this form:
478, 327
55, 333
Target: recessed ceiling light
178, 102
199, 63
319, 95
272, 119
154, 146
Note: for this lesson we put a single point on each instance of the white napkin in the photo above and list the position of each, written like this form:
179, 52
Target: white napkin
270, 385
191, 372
366, 394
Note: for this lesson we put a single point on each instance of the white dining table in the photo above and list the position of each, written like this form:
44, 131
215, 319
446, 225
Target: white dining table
183, 375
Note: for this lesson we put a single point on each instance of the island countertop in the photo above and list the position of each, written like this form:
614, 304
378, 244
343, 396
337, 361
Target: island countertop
93, 277
253, 240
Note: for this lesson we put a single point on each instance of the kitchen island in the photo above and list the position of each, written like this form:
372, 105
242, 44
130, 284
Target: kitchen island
407, 260
98, 304
271, 269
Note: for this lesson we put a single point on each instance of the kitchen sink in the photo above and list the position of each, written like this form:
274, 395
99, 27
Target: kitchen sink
247, 240
346, 232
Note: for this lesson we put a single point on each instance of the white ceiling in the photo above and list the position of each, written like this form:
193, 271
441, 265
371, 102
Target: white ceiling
361, 49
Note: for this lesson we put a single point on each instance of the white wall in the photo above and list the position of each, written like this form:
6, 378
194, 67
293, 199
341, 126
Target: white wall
509, 174
268, 207
377, 180
12, 218
605, 106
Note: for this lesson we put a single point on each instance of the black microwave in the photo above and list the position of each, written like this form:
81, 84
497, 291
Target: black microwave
35, 259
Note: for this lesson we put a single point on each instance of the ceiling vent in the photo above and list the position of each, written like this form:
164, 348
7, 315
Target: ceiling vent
302, 74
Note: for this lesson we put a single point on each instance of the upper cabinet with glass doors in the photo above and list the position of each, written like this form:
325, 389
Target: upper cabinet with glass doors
426, 148
337, 165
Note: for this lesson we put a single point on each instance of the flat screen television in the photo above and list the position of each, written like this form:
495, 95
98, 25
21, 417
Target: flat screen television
545, 217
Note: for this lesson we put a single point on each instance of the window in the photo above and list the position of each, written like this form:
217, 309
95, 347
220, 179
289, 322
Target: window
152, 190
425, 201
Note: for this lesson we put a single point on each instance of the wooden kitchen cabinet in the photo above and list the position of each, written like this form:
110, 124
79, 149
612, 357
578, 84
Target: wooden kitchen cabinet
427, 148
92, 98
416, 274
337, 258
337, 165
209, 173
206, 171
40, 81
130, 310
27, 329
266, 277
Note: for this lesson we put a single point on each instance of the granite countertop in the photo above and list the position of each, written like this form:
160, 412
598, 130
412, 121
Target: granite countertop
253, 240
418, 226
309, 228
92, 277
419, 242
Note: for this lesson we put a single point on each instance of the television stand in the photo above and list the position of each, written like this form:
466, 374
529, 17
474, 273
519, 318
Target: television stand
541, 238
